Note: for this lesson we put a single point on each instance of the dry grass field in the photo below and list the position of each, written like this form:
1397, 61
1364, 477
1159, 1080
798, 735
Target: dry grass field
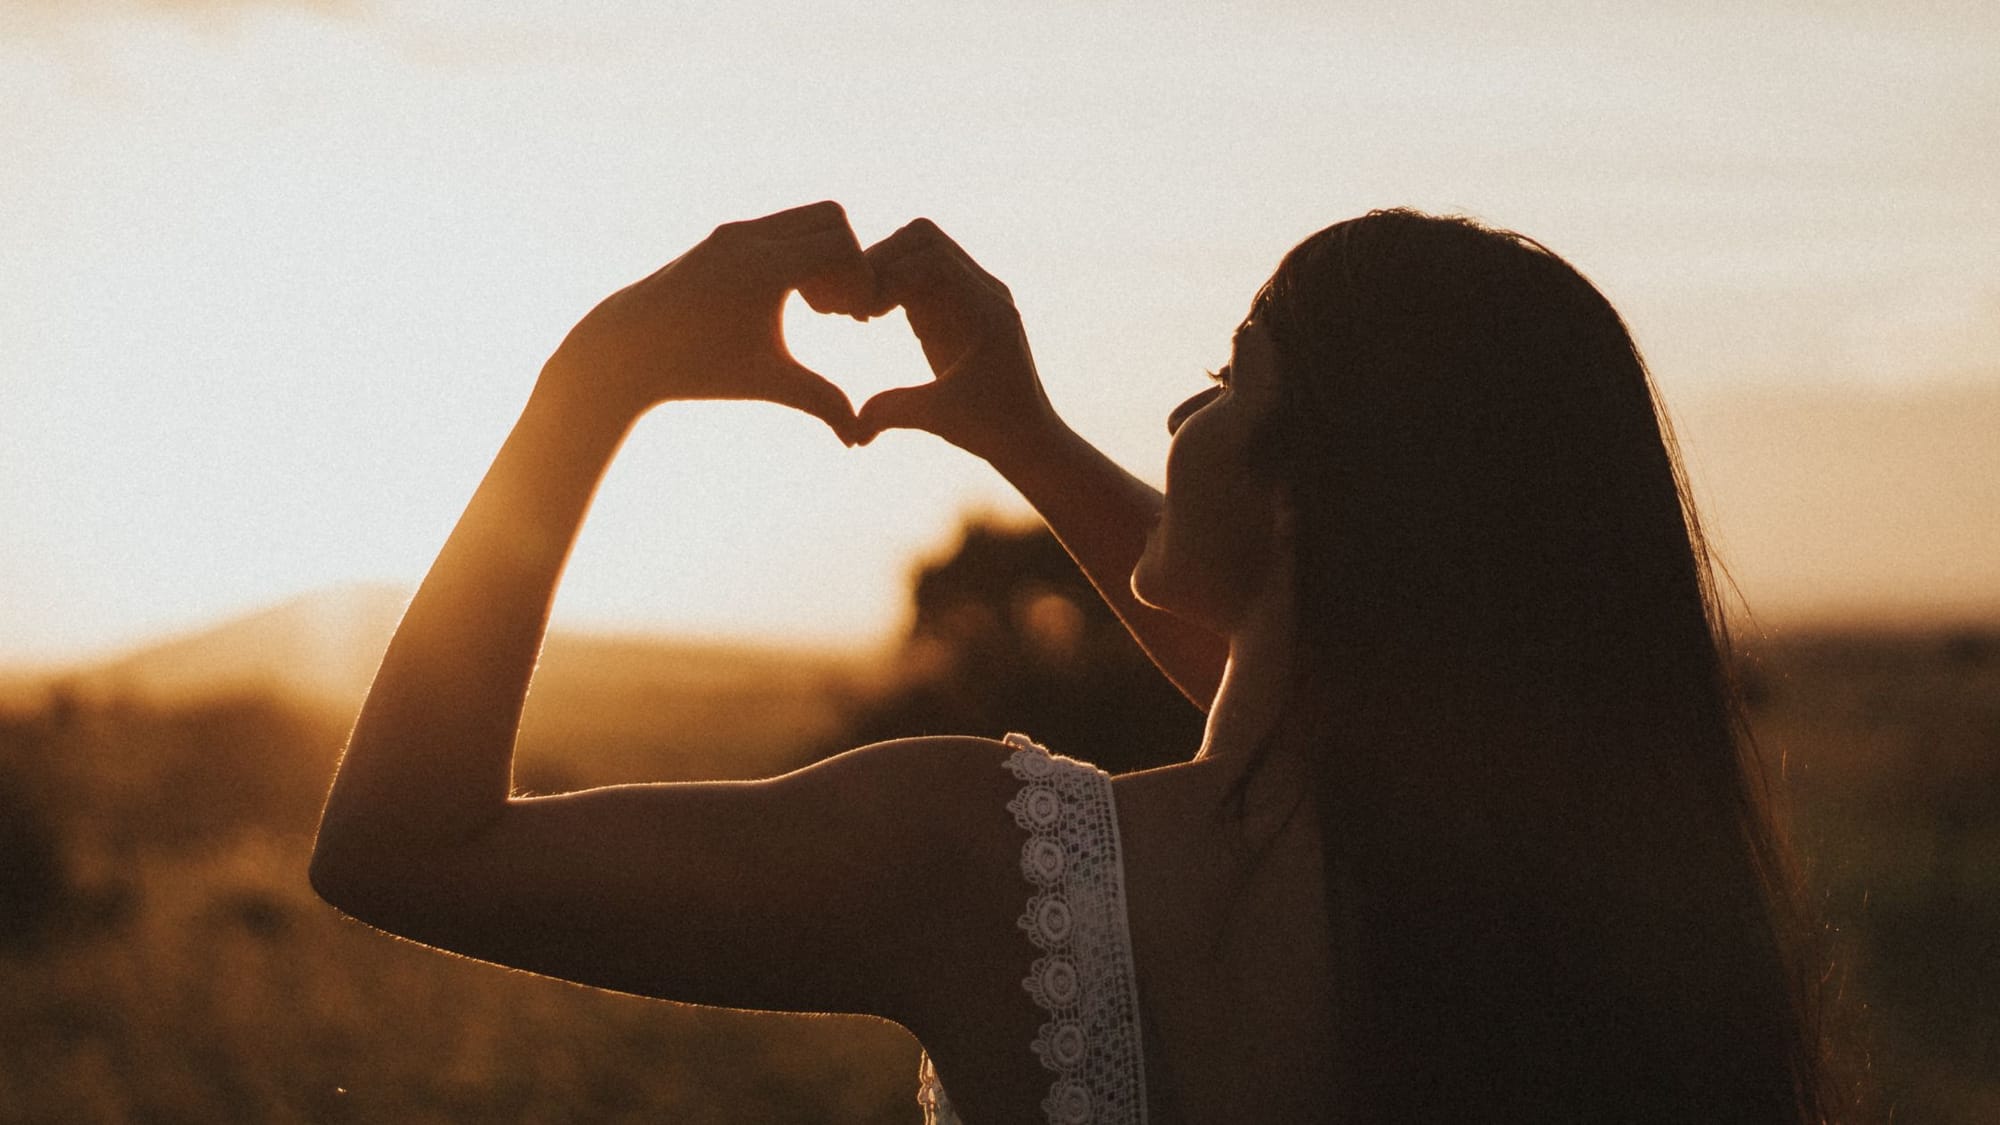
1889, 750
162, 960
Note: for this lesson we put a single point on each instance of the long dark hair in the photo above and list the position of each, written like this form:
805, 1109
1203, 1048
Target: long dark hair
1553, 876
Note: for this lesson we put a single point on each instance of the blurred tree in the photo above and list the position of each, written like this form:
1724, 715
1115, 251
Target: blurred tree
32, 879
1008, 635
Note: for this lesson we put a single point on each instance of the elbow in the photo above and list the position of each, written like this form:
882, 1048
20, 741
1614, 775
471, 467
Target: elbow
342, 867
358, 888
349, 875
381, 873
333, 877
378, 880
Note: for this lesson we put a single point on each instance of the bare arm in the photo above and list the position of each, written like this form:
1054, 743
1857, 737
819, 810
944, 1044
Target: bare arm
987, 399
429, 759
429, 762
640, 888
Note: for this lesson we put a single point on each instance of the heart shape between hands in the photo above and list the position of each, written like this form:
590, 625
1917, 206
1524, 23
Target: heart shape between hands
720, 310
983, 380
820, 341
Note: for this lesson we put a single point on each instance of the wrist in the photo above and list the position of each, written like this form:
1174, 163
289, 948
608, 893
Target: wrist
1029, 442
567, 401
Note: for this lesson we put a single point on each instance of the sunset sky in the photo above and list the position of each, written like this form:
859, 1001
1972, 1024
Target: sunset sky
276, 277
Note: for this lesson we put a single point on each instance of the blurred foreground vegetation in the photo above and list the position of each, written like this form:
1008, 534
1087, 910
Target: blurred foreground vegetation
162, 960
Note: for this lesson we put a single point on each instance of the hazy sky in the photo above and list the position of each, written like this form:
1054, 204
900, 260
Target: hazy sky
274, 278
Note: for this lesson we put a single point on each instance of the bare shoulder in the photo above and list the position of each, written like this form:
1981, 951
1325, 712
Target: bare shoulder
942, 786
931, 788
942, 797
946, 797
836, 887
942, 760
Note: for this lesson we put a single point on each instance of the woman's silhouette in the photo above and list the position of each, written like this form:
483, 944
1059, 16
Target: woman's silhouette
1470, 835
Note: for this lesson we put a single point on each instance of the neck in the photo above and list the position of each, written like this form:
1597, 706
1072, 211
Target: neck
1256, 687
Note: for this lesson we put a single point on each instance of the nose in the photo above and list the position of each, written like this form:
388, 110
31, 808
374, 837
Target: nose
1188, 409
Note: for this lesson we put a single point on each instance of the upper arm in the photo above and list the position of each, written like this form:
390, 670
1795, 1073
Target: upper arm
815, 891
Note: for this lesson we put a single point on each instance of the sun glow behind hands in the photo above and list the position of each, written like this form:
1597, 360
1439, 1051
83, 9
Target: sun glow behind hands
279, 279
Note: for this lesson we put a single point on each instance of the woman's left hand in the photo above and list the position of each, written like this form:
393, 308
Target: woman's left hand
709, 324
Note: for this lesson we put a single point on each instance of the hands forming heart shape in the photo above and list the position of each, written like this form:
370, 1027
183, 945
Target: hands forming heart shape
709, 325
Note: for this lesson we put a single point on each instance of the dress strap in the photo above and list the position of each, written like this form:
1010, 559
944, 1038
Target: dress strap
1084, 979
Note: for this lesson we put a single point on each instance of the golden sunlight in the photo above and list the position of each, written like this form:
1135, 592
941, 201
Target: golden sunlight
280, 275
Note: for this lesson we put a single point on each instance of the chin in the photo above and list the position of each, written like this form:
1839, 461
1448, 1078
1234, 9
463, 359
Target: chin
1143, 582
1155, 586
1172, 585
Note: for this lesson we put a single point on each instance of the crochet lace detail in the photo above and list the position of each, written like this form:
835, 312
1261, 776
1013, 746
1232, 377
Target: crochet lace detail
1084, 979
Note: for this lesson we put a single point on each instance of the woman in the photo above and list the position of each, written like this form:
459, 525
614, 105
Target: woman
1469, 834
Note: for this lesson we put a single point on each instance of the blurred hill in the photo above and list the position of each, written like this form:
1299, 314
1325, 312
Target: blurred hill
162, 958
603, 708
320, 648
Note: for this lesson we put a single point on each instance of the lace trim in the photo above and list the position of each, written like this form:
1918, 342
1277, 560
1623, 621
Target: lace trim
1084, 979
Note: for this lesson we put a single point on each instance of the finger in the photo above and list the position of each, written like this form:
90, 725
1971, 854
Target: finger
922, 236
928, 276
899, 242
826, 266
801, 388
914, 241
905, 243
915, 278
971, 268
812, 249
949, 309
927, 268
898, 408
848, 288
825, 214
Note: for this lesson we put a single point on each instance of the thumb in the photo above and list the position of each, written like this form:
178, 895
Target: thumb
802, 388
898, 408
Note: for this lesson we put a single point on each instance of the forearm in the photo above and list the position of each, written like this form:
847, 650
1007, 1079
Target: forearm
1103, 515
430, 759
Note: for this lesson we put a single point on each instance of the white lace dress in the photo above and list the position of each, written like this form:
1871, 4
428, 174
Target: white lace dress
1083, 978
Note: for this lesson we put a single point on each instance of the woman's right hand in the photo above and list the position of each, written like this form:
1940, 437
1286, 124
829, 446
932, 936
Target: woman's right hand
984, 396
709, 324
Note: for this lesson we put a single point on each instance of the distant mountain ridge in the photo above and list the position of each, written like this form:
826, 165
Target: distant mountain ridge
324, 648
603, 709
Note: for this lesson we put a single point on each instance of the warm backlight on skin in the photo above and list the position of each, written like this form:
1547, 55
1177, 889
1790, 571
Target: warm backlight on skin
279, 278
861, 359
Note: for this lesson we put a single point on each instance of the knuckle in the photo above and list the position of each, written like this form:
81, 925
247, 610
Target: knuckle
900, 273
